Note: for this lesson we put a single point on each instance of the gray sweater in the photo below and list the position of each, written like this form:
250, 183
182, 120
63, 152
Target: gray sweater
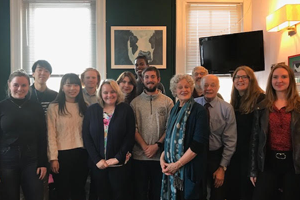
151, 113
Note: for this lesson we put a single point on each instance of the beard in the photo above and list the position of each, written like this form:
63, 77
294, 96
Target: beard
150, 89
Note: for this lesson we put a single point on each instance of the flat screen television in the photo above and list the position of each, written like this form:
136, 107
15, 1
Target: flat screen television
224, 53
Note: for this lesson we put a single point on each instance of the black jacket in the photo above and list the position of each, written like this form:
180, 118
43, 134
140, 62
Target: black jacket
120, 137
259, 139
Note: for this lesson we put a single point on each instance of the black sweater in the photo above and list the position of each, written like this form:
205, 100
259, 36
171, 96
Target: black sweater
25, 126
44, 98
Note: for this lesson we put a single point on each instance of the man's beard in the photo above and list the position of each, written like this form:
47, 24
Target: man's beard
197, 84
150, 90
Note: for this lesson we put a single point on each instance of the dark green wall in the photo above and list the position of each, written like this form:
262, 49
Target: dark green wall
143, 13
118, 13
4, 46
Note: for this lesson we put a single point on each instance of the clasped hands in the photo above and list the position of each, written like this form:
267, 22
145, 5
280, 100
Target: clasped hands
102, 164
150, 150
169, 168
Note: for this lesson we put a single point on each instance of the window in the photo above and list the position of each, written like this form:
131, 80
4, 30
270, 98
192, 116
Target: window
204, 20
61, 32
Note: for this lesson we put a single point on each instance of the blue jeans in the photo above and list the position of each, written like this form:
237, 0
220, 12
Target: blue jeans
18, 166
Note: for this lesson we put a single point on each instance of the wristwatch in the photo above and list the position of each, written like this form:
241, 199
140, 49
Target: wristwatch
224, 168
159, 144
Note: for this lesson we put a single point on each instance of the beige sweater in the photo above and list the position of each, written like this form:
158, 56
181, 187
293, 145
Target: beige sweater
64, 131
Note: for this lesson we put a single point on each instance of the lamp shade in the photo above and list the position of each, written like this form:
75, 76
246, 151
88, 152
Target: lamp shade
284, 17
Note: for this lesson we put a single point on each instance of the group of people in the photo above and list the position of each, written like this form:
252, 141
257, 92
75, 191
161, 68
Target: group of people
135, 143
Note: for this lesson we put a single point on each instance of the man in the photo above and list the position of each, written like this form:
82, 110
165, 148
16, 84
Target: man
90, 79
223, 135
41, 71
151, 110
141, 63
197, 74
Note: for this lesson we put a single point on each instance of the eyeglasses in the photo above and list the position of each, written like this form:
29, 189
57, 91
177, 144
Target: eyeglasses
244, 77
201, 73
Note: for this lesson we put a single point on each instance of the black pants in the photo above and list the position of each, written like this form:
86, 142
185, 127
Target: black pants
111, 183
93, 191
277, 173
213, 163
148, 177
18, 165
73, 171
238, 184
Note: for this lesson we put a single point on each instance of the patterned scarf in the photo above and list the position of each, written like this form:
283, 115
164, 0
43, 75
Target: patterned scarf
174, 148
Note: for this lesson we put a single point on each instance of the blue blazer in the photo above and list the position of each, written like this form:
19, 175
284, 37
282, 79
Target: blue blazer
121, 132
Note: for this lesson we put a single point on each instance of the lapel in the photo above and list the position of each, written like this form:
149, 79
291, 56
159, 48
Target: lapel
110, 127
100, 136
295, 120
265, 120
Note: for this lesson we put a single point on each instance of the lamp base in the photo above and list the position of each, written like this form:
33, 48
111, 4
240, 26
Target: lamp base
292, 31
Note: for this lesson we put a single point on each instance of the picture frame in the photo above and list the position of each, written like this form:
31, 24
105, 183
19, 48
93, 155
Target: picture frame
128, 42
294, 63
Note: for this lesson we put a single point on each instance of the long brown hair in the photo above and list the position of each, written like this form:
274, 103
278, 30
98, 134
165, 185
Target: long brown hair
249, 99
292, 96
132, 80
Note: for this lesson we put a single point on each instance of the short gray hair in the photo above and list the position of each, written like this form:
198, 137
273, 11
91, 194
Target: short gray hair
177, 78
199, 67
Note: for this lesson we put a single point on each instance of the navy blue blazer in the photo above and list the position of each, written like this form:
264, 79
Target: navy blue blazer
121, 131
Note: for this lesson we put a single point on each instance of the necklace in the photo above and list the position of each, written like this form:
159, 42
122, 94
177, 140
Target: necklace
41, 95
20, 106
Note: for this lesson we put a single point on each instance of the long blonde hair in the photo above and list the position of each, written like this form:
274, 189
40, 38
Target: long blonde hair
292, 96
249, 99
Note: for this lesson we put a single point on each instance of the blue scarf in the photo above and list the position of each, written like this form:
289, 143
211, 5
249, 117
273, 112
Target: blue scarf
174, 148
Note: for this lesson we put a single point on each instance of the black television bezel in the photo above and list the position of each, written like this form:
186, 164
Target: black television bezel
230, 71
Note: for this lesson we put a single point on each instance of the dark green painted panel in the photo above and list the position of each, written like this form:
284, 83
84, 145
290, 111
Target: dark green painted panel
4, 46
143, 13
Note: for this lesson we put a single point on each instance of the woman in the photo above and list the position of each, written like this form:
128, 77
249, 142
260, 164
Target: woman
67, 156
275, 141
186, 144
23, 142
245, 94
108, 133
127, 84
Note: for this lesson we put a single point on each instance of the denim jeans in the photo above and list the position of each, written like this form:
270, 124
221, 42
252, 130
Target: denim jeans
18, 166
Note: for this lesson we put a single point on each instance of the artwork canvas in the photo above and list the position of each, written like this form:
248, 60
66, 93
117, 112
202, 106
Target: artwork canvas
294, 62
128, 42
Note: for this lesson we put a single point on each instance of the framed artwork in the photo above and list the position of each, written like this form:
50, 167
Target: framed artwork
128, 42
294, 62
